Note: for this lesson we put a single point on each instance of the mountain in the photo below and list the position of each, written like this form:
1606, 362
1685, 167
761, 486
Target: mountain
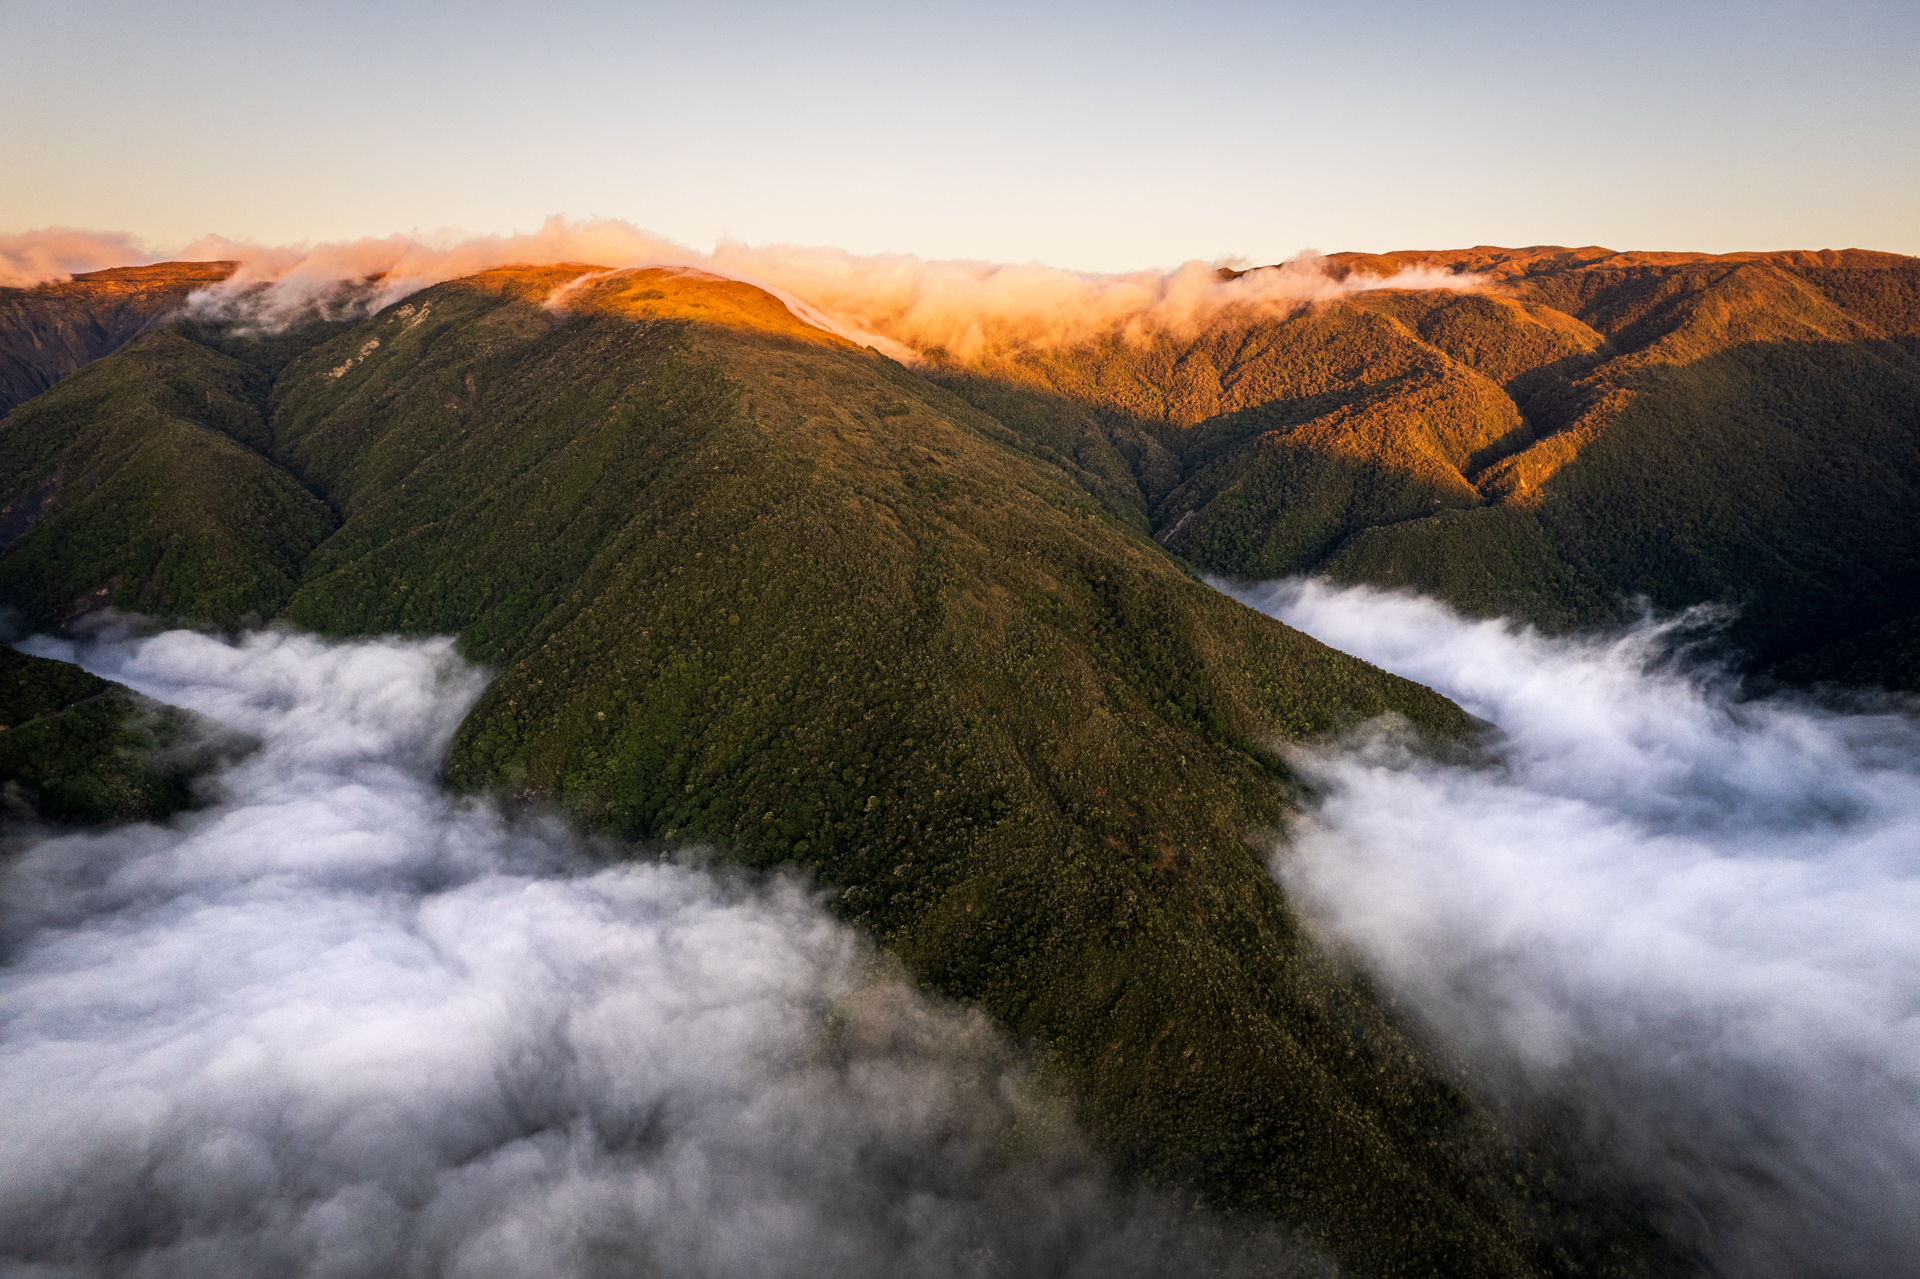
49, 331
935, 635
77, 748
146, 488
750, 586
1586, 430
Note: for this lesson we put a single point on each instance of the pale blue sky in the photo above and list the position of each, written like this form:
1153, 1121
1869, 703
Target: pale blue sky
1095, 137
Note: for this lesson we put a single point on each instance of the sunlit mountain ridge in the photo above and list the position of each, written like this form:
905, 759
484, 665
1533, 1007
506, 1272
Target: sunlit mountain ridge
1584, 430
932, 632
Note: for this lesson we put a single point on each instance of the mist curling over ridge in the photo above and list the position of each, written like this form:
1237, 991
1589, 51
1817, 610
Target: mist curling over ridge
1684, 919
341, 1023
899, 303
56, 254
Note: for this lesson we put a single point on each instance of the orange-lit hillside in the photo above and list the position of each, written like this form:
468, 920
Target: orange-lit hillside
1587, 427
663, 293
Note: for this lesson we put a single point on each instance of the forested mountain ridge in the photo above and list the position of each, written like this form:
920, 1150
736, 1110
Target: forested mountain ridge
1580, 430
77, 748
748, 585
48, 331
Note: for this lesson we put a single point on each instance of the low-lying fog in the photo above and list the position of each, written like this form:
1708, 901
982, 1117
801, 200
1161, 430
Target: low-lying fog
1695, 920
342, 1024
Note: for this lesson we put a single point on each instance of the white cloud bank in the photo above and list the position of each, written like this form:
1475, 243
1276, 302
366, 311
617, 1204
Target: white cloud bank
343, 1024
897, 302
57, 254
1695, 918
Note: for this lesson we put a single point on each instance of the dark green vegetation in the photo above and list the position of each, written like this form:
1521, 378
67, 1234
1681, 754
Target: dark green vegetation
1885, 657
748, 585
74, 747
141, 481
1594, 429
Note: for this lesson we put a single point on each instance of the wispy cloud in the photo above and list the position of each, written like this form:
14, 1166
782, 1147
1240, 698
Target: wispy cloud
902, 304
344, 1024
1689, 916
57, 254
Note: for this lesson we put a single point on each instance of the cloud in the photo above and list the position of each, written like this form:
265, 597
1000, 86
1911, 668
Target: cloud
55, 254
972, 309
1688, 916
901, 304
341, 1023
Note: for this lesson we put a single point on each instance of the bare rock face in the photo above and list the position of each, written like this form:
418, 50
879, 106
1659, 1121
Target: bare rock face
48, 331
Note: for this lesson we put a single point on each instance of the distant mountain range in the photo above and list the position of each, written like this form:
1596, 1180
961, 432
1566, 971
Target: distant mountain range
49, 331
1590, 429
935, 634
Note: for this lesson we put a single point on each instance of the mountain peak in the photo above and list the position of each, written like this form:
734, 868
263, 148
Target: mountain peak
662, 292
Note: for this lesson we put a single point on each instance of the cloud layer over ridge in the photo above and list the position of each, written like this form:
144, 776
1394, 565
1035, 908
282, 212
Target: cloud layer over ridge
902, 304
340, 1023
1686, 917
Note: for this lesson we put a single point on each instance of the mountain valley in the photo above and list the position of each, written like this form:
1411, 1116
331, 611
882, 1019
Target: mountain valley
937, 634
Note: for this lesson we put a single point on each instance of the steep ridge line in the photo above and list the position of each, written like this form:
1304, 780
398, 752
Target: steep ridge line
758, 588
1640, 386
51, 330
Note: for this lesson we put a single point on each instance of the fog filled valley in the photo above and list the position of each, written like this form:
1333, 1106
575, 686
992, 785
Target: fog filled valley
339, 1022
566, 755
1681, 920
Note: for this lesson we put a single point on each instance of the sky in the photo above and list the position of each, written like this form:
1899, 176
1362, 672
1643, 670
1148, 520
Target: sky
1096, 138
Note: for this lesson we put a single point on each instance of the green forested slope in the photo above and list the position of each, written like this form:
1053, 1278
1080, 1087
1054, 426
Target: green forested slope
74, 747
141, 479
1596, 429
750, 586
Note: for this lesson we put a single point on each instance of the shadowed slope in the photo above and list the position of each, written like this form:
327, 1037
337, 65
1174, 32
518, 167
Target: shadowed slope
748, 584
1263, 444
1885, 657
48, 331
140, 482
1595, 428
